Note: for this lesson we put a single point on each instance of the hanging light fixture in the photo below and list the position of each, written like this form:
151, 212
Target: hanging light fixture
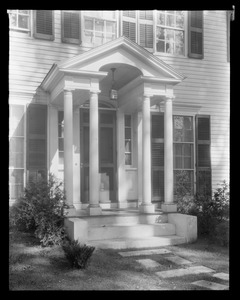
113, 93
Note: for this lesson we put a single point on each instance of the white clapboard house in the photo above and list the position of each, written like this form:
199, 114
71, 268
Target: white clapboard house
119, 105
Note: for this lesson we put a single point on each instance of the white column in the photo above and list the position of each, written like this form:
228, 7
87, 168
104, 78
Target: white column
146, 205
68, 147
76, 159
168, 205
94, 207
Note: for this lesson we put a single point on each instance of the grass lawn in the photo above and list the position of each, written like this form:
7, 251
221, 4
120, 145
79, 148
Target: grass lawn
32, 267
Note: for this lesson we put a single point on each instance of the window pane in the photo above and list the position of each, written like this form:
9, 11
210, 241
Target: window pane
110, 27
61, 157
170, 20
128, 147
99, 25
179, 41
16, 183
60, 144
16, 152
88, 24
23, 21
12, 20
127, 133
127, 120
160, 33
160, 46
128, 158
16, 120
161, 19
183, 182
180, 19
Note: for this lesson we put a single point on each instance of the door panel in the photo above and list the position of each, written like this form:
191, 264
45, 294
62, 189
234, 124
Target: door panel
107, 153
157, 151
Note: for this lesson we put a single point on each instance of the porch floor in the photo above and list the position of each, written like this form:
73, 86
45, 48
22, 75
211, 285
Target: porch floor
110, 212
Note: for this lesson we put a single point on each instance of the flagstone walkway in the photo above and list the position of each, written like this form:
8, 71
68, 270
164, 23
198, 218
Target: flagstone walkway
181, 267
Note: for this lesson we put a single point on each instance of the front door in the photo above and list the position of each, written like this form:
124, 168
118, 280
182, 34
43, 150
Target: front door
157, 144
107, 155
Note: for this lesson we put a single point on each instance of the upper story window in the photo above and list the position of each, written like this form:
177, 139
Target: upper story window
44, 24
129, 28
170, 32
71, 27
19, 19
99, 27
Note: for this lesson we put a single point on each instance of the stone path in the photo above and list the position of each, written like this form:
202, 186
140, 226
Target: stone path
187, 268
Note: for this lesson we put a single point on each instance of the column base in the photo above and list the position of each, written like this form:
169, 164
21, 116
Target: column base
146, 208
94, 210
169, 207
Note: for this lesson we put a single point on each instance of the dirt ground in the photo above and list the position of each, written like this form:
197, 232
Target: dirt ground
32, 267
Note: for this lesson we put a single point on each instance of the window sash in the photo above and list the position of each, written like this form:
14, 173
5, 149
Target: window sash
70, 21
40, 35
19, 14
128, 139
95, 34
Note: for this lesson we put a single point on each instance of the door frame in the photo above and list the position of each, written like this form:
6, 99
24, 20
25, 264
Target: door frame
84, 165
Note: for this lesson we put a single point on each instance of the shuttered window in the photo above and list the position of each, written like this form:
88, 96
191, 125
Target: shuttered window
71, 27
157, 150
36, 141
203, 158
16, 151
195, 34
146, 35
129, 30
146, 14
44, 24
128, 139
183, 153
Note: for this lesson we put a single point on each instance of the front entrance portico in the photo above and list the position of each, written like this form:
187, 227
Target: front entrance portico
143, 81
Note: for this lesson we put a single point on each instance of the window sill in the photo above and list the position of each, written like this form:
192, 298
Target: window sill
129, 168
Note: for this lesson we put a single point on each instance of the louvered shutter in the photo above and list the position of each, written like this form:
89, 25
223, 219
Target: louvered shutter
146, 14
44, 24
129, 30
146, 35
195, 34
36, 141
71, 27
203, 158
157, 151
129, 13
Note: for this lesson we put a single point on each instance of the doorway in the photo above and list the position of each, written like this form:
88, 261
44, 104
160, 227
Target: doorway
107, 155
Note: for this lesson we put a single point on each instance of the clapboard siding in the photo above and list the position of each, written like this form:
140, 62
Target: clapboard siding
207, 81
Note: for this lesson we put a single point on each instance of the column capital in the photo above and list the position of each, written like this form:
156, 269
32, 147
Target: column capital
168, 98
147, 95
68, 90
93, 92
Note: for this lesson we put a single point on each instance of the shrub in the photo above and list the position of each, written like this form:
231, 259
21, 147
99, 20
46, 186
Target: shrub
78, 255
212, 212
41, 210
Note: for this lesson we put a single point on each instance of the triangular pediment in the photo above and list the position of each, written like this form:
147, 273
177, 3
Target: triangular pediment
121, 50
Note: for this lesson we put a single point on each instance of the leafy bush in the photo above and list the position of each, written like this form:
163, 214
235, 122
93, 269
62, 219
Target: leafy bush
78, 255
41, 210
212, 212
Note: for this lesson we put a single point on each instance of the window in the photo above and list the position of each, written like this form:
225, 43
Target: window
16, 150
203, 158
195, 34
99, 27
146, 28
128, 140
183, 152
71, 27
36, 142
170, 32
19, 19
44, 24
60, 138
129, 24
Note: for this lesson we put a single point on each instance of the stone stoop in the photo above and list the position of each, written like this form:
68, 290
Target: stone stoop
124, 230
127, 243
